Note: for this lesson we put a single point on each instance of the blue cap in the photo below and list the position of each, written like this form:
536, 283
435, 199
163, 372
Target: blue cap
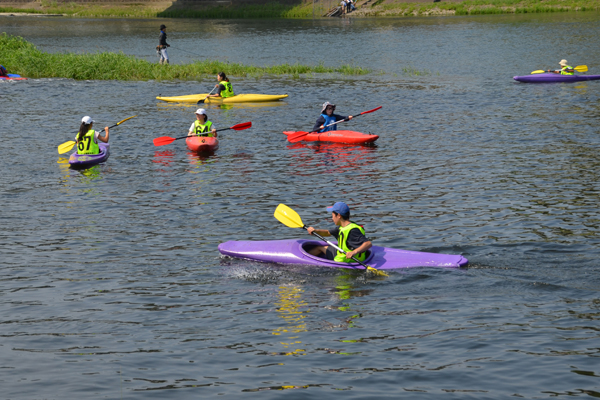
341, 208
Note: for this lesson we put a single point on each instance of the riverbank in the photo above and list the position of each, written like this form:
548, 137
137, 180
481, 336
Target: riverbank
301, 9
23, 58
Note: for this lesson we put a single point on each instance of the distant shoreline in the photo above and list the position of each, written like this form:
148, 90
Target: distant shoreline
299, 10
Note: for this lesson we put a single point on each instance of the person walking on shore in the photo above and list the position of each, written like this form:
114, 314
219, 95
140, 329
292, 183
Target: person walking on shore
162, 46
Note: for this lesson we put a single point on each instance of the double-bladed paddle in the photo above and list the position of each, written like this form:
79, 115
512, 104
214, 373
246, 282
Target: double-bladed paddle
300, 135
161, 141
290, 218
579, 68
66, 146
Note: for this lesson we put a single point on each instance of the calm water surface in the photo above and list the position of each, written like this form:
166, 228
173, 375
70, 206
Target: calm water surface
112, 285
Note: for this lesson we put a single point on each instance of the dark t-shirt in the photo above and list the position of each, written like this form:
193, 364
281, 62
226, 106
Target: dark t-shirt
162, 39
355, 237
321, 121
221, 88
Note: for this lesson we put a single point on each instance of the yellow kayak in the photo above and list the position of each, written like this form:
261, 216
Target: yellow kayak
240, 98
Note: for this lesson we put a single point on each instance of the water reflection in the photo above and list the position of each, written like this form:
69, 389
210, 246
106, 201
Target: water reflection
330, 158
289, 307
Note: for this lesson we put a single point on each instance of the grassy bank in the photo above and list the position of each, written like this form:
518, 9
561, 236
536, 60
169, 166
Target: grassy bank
477, 7
273, 9
23, 58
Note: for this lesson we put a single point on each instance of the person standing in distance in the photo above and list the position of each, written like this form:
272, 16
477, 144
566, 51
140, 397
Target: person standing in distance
162, 46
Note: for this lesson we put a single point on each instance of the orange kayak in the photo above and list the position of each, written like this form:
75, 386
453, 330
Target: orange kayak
202, 144
341, 136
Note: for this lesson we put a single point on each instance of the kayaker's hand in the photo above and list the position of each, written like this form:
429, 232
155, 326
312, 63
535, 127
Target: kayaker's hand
350, 254
106, 129
310, 230
214, 132
350, 117
322, 127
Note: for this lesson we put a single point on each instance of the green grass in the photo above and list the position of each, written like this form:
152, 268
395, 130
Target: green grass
22, 57
273, 9
268, 10
479, 7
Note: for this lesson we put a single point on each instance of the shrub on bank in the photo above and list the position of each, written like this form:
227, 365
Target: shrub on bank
21, 57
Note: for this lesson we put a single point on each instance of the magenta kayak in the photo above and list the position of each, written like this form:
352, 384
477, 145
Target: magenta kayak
294, 251
552, 77
87, 160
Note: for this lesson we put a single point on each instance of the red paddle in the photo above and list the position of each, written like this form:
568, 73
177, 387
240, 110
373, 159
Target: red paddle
300, 135
161, 141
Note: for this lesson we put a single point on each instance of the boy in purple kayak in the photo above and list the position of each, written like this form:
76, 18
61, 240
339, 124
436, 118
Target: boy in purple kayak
350, 236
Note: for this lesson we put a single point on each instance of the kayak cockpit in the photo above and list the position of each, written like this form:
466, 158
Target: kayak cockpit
306, 246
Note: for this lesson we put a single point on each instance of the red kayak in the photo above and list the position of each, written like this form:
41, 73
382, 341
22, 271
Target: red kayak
202, 144
351, 137
13, 77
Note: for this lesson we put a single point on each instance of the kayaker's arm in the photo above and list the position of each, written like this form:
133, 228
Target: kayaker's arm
363, 247
319, 124
218, 94
322, 232
105, 137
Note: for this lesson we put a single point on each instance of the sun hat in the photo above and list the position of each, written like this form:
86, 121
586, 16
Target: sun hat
563, 62
201, 111
325, 106
341, 208
87, 120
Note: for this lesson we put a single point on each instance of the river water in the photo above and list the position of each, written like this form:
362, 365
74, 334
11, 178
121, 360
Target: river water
112, 285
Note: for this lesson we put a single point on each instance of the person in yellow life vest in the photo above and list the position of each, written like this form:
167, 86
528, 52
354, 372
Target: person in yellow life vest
202, 126
565, 69
350, 236
87, 138
224, 87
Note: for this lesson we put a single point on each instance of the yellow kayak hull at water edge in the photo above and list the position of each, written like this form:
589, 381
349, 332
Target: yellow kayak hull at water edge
240, 98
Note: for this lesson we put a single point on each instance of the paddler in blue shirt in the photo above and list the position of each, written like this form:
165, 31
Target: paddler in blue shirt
87, 138
327, 117
566, 69
224, 88
202, 126
350, 236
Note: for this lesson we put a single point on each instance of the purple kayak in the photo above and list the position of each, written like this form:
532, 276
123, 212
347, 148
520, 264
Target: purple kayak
293, 251
552, 77
87, 160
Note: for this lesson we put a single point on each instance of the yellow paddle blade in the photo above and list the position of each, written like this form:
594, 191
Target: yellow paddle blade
376, 271
581, 68
288, 217
66, 146
119, 123
538, 71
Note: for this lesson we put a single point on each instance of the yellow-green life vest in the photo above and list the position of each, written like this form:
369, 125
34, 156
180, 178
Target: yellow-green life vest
87, 145
564, 71
203, 129
228, 92
344, 232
